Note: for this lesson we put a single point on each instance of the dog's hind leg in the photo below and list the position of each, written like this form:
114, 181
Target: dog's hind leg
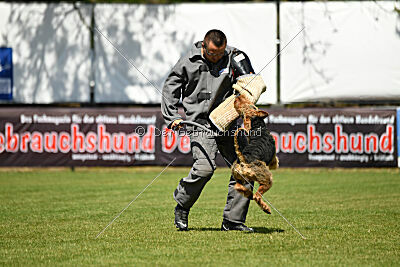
237, 173
258, 199
265, 185
243, 190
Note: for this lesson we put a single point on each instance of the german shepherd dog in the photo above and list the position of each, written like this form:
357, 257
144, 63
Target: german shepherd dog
256, 152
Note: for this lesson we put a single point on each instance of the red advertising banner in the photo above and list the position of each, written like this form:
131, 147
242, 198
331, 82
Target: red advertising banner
88, 137
350, 137
138, 136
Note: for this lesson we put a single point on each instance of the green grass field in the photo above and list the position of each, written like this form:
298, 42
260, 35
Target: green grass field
350, 217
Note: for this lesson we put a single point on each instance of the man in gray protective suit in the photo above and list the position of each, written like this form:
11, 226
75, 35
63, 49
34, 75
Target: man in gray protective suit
203, 79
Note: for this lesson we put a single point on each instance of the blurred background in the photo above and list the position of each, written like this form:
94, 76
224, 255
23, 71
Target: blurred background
332, 69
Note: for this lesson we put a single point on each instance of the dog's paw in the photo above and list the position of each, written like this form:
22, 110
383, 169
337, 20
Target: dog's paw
265, 208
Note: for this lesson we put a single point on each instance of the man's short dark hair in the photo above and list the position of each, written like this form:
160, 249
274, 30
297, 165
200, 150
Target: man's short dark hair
215, 36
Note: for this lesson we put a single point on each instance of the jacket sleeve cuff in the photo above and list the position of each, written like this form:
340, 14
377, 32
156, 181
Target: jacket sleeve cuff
172, 120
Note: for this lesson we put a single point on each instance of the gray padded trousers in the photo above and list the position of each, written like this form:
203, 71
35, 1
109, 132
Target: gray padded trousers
204, 151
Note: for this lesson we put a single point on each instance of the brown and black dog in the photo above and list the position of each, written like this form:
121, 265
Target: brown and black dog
256, 151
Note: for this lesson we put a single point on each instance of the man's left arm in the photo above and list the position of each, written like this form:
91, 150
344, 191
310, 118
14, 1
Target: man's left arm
241, 64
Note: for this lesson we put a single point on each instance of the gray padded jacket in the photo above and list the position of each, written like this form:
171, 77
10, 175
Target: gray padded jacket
199, 84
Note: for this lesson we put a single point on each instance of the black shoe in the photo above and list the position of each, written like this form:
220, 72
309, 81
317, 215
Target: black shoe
229, 226
181, 218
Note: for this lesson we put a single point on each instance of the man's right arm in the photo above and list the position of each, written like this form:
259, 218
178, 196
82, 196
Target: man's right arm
172, 92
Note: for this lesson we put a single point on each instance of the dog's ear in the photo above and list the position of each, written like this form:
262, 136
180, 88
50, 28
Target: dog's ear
261, 113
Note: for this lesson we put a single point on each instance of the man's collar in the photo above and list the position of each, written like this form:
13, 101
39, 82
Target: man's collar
196, 50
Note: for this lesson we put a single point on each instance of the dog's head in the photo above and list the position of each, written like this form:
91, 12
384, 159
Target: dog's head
247, 110
257, 122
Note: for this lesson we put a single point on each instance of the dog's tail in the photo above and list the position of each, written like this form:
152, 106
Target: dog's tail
238, 152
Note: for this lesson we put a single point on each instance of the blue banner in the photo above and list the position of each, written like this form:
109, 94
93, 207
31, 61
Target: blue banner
6, 73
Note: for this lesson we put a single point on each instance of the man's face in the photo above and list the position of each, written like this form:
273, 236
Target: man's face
213, 53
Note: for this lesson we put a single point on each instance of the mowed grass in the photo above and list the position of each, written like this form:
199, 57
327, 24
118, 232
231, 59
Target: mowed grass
350, 217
